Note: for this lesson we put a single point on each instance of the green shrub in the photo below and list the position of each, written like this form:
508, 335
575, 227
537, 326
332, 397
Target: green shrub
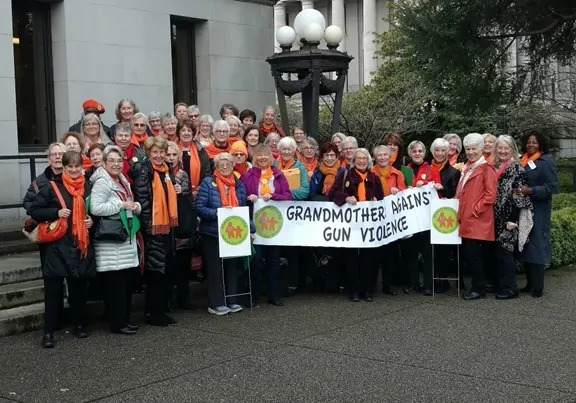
565, 180
562, 236
562, 200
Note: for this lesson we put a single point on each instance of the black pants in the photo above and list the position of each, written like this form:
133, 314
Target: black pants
473, 256
296, 266
490, 260
360, 270
181, 275
266, 261
535, 275
213, 269
53, 291
419, 243
506, 270
117, 296
388, 257
159, 287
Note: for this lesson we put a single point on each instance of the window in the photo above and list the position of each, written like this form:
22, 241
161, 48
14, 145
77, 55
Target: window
33, 70
183, 56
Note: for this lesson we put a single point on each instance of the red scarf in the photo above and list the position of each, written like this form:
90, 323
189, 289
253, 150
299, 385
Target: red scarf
266, 129
502, 168
453, 159
241, 168
488, 157
79, 231
86, 162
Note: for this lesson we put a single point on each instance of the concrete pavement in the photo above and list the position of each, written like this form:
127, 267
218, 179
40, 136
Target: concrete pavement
318, 348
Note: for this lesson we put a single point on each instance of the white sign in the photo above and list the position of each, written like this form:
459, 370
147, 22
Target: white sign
444, 222
234, 232
364, 225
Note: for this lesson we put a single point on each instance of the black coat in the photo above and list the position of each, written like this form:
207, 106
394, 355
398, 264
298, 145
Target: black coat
157, 248
346, 184
40, 181
205, 165
449, 176
61, 258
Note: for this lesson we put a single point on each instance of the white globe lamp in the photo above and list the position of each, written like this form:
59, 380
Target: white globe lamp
313, 33
333, 36
285, 36
306, 17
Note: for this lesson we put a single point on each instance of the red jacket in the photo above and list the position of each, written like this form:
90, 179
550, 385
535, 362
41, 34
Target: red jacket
426, 173
477, 197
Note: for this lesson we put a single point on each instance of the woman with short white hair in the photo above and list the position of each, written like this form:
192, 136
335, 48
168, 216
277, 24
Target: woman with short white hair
358, 184
308, 151
348, 150
193, 113
139, 124
272, 140
235, 124
476, 192
169, 128
155, 122
454, 153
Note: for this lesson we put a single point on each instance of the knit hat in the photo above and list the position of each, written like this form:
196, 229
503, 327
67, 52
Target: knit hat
239, 146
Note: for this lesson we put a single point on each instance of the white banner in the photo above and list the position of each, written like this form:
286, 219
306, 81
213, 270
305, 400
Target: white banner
365, 225
234, 232
444, 222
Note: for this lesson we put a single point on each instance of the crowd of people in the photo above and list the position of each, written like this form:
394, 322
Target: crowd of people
139, 203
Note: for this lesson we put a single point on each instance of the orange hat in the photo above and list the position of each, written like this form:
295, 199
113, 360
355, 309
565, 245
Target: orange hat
239, 146
91, 105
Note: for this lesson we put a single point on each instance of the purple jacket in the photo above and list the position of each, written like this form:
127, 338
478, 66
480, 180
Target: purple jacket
251, 180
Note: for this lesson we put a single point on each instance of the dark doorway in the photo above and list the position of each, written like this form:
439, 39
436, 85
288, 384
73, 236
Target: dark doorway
183, 60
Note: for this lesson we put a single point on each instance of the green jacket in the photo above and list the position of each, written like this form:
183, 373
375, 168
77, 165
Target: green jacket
408, 175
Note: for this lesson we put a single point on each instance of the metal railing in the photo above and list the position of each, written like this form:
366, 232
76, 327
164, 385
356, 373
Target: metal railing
32, 165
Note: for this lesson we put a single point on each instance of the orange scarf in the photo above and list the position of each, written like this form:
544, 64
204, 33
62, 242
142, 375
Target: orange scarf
86, 162
488, 157
195, 164
393, 158
213, 150
138, 140
227, 189
527, 158
453, 159
362, 185
266, 129
329, 176
284, 165
79, 231
265, 178
383, 174
310, 165
164, 213
438, 165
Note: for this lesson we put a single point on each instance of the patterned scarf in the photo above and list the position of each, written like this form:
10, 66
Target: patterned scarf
79, 231
164, 212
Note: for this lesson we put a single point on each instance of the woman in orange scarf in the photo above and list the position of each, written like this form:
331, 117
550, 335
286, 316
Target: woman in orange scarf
268, 122
358, 184
308, 155
489, 147
75, 142
59, 263
139, 124
222, 189
195, 160
156, 191
323, 178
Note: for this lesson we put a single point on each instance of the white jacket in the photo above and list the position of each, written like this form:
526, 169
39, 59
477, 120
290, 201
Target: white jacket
105, 201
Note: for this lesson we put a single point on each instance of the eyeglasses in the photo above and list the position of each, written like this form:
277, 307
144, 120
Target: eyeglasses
224, 163
115, 162
193, 116
60, 154
220, 131
139, 124
239, 154
361, 159
307, 148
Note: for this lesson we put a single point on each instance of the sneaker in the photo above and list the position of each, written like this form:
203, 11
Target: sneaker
235, 308
219, 310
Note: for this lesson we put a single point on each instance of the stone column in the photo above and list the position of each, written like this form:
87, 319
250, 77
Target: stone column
369, 23
338, 19
306, 4
279, 21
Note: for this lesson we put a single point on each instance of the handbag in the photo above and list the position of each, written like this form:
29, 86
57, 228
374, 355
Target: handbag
47, 232
110, 229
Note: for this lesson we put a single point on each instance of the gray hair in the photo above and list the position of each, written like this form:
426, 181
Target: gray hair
92, 116
222, 125
288, 142
439, 142
454, 136
207, 118
366, 153
341, 136
223, 156
473, 140
234, 118
154, 115
109, 150
193, 109
61, 145
416, 143
350, 140
509, 140
270, 136
139, 115
379, 149
169, 118
123, 127
311, 141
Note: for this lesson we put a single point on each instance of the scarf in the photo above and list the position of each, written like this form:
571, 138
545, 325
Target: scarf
213, 150
439, 165
310, 164
329, 176
156, 132
86, 163
362, 185
393, 158
172, 137
138, 140
276, 155
488, 157
266, 129
164, 212
195, 164
265, 178
502, 168
383, 174
241, 168
527, 158
227, 189
284, 165
79, 231
467, 172
453, 159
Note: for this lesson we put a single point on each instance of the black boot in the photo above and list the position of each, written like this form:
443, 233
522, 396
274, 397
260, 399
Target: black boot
48, 341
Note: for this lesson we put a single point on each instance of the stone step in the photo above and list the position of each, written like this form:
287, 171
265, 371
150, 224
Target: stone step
19, 294
22, 245
20, 268
21, 319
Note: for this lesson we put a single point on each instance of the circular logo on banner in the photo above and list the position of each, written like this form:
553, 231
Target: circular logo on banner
445, 220
234, 230
268, 221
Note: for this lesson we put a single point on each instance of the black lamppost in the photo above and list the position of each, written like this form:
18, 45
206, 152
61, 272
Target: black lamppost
308, 64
